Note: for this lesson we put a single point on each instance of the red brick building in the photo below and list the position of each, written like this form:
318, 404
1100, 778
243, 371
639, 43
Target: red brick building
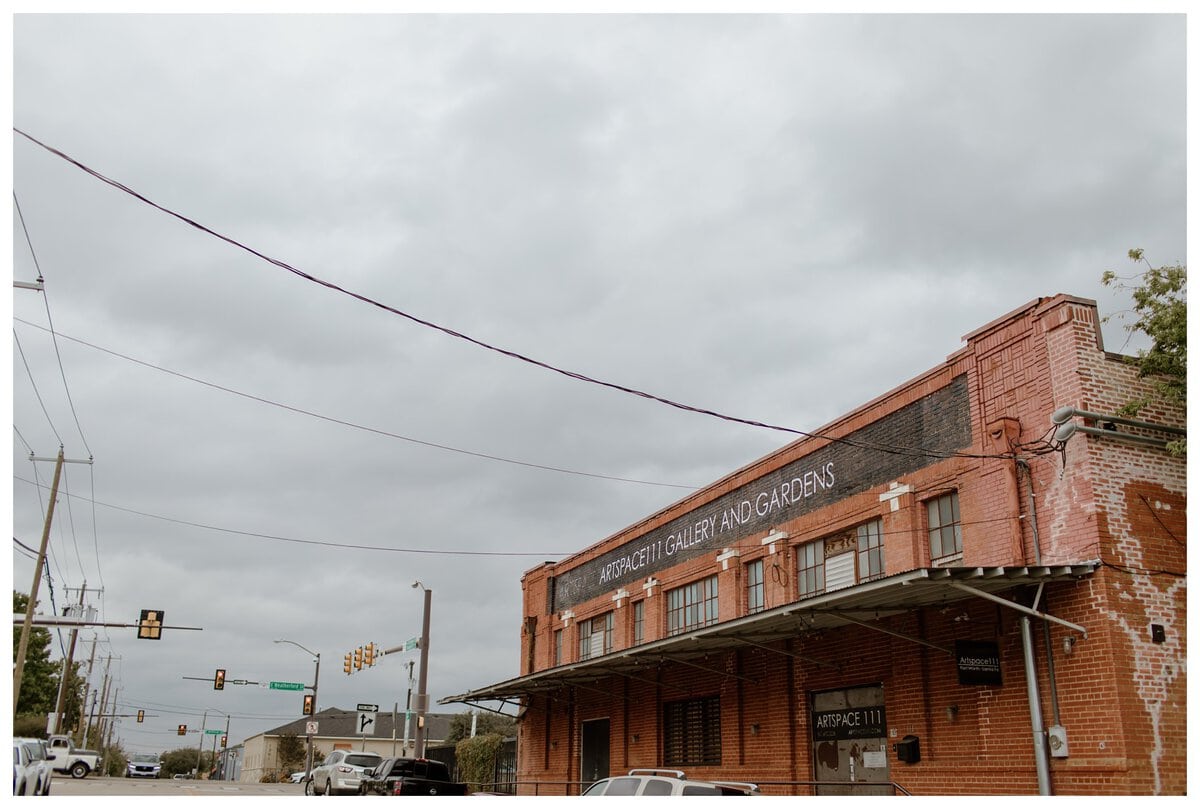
973, 584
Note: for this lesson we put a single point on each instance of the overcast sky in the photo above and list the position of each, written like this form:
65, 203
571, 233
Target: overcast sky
777, 218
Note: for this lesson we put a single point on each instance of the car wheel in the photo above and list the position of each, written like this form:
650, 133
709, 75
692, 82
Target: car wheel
328, 788
79, 770
308, 787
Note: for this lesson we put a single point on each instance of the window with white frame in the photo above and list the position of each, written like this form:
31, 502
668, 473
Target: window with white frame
810, 568
595, 636
755, 591
692, 606
870, 550
945, 529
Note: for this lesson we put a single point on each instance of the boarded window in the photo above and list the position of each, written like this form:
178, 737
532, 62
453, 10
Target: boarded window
692, 732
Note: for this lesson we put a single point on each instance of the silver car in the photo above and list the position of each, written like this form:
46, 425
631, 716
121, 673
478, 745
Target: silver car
649, 783
40, 770
341, 771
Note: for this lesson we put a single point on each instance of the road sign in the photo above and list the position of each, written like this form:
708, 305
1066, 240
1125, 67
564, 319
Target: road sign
216, 732
410, 644
362, 706
287, 686
312, 728
366, 723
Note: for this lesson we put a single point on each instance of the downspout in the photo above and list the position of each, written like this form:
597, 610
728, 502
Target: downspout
1041, 757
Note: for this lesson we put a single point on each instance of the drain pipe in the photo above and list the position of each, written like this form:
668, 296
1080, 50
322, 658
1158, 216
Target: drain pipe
1041, 757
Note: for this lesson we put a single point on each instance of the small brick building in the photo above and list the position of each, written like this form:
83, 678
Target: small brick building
974, 584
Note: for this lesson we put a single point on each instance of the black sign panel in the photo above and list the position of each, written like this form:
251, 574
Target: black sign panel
849, 723
873, 455
978, 662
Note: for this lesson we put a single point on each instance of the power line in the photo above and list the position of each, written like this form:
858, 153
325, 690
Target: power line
321, 543
354, 426
891, 449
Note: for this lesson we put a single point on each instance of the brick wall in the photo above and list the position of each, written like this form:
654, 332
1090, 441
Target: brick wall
1120, 692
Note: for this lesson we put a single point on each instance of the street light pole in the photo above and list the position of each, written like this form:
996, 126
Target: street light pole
422, 694
308, 759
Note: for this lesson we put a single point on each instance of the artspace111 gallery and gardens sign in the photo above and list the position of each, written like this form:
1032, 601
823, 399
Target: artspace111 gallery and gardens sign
902, 442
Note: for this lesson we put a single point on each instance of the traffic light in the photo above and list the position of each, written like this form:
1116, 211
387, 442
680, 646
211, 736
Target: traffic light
308, 704
150, 625
224, 742
369, 654
219, 680
358, 659
182, 731
346, 666
141, 715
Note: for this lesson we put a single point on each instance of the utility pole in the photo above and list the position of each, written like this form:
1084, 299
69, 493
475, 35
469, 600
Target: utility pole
60, 709
200, 744
103, 704
27, 628
84, 717
422, 695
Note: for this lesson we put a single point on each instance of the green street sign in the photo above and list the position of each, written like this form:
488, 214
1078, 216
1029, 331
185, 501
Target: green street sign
287, 686
216, 732
410, 644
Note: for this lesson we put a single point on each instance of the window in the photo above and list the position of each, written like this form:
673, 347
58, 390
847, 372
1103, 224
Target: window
692, 732
692, 606
945, 529
870, 550
595, 636
558, 658
639, 622
755, 597
810, 561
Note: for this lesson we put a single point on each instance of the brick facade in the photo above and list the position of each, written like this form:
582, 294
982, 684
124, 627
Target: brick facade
984, 414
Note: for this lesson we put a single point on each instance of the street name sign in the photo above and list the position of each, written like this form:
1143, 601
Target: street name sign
287, 686
216, 732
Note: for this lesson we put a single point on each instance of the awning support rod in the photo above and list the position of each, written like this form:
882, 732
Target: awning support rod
1018, 607
792, 655
878, 628
710, 669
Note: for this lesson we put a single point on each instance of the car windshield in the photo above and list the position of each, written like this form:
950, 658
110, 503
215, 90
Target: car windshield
145, 758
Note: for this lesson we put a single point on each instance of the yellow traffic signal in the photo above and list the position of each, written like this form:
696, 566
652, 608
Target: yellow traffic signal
150, 625
308, 704
358, 659
369, 654
141, 715
219, 680
182, 731
346, 666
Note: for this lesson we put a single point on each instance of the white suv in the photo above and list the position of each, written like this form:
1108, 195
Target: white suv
665, 782
341, 771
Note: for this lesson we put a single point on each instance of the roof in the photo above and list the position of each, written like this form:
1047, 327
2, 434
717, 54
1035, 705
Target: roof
339, 723
858, 604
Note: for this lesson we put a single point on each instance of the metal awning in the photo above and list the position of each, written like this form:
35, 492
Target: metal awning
859, 604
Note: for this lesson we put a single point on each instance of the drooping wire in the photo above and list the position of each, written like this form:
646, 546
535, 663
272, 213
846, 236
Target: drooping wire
890, 449
50, 321
352, 425
36, 392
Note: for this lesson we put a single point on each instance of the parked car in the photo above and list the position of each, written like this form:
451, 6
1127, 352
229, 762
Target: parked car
410, 776
296, 777
23, 774
665, 782
143, 765
40, 768
341, 771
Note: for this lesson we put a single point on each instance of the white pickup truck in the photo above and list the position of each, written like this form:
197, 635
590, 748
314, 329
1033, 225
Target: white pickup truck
65, 757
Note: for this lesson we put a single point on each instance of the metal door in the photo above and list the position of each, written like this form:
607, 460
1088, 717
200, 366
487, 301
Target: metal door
849, 741
593, 753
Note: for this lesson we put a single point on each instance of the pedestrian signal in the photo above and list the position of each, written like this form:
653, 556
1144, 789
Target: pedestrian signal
308, 704
182, 731
219, 680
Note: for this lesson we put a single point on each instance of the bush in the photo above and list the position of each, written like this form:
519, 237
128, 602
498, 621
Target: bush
477, 759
